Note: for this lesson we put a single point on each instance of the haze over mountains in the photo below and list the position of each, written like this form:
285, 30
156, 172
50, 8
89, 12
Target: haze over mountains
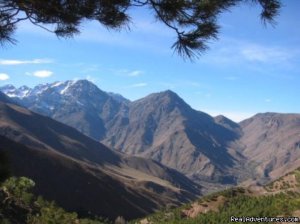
163, 127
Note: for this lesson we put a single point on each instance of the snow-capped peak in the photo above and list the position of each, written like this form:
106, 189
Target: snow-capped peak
66, 87
12, 91
39, 89
23, 91
55, 84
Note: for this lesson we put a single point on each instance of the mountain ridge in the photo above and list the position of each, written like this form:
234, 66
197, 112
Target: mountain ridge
39, 146
163, 127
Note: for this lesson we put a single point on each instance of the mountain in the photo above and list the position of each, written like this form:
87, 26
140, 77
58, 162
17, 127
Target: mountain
4, 98
163, 127
83, 175
118, 97
272, 143
160, 126
228, 124
79, 104
11, 91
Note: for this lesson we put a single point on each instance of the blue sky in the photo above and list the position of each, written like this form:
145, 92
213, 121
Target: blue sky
250, 69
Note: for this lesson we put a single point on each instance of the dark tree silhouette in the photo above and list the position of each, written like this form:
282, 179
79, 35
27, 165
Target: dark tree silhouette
193, 21
4, 166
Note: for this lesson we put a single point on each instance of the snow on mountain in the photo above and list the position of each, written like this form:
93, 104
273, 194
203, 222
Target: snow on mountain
25, 91
11, 91
80, 104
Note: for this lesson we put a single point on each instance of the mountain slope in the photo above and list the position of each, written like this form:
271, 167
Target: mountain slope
163, 127
79, 104
160, 126
82, 174
272, 143
279, 199
4, 98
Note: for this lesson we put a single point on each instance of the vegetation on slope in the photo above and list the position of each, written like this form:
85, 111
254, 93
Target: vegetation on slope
280, 198
277, 199
18, 205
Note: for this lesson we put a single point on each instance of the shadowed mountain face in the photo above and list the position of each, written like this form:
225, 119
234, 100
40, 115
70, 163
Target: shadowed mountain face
4, 98
83, 175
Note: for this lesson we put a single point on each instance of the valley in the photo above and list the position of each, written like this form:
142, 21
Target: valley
95, 152
162, 127
80, 173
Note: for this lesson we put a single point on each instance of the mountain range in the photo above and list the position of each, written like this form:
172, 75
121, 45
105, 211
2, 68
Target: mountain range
83, 175
162, 127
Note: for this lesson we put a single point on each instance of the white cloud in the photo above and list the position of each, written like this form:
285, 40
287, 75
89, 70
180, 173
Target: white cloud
91, 79
3, 77
23, 62
258, 53
135, 73
137, 85
41, 73
231, 52
236, 116
127, 72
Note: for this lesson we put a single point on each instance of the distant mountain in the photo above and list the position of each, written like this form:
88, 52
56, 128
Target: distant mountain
272, 143
163, 127
83, 175
79, 104
12, 91
228, 124
4, 98
118, 97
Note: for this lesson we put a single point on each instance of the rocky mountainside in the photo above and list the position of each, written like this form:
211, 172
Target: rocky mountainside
163, 127
83, 175
79, 104
160, 126
272, 143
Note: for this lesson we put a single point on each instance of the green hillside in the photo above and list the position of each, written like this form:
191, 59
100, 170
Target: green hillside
19, 206
280, 198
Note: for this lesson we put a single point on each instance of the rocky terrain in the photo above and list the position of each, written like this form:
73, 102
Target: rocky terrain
83, 175
161, 126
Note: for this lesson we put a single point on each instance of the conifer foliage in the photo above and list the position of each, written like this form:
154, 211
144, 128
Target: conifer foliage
193, 21
19, 206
